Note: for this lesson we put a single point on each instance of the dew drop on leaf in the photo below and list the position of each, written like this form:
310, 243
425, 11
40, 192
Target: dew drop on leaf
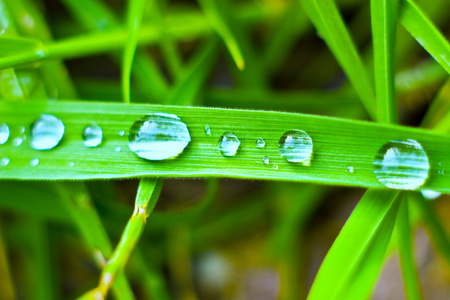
260, 143
158, 136
4, 161
4, 133
207, 130
401, 165
430, 194
92, 135
17, 141
265, 160
350, 169
46, 132
34, 162
228, 144
296, 146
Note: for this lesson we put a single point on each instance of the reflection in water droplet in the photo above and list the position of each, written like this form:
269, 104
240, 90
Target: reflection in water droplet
207, 130
265, 160
430, 194
92, 135
46, 132
296, 146
260, 143
121, 132
402, 165
118, 149
350, 169
4, 161
34, 162
228, 144
4, 133
158, 136
17, 141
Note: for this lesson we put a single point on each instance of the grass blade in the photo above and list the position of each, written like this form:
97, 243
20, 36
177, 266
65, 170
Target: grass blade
384, 29
424, 31
326, 18
357, 255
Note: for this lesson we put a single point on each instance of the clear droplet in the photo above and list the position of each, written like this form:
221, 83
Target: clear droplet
402, 165
265, 160
22, 129
228, 144
158, 136
121, 132
441, 171
275, 167
46, 132
71, 164
118, 149
207, 130
350, 169
4, 133
17, 141
4, 161
430, 194
92, 135
260, 143
296, 146
34, 162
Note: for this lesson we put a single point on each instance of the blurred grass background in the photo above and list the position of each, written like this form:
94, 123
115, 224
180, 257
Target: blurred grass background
208, 239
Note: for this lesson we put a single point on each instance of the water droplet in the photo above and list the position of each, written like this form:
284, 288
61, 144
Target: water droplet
34, 162
121, 132
430, 194
265, 160
46, 132
401, 165
158, 136
207, 130
439, 163
228, 144
350, 169
4, 133
17, 141
71, 164
118, 149
441, 171
275, 167
92, 135
296, 146
260, 143
4, 161
22, 129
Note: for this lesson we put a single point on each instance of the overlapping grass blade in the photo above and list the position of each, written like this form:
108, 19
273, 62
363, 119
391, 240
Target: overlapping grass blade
357, 255
424, 31
326, 18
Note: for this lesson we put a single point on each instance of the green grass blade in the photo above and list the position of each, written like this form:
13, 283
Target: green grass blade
404, 232
357, 255
338, 144
384, 29
424, 31
135, 13
218, 13
326, 18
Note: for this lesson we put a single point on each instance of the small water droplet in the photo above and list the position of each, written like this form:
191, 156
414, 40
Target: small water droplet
22, 129
260, 143
121, 132
4, 161
265, 160
430, 194
71, 164
118, 149
350, 169
207, 130
158, 136
275, 167
4, 133
441, 171
34, 162
296, 146
92, 135
439, 163
401, 165
17, 141
228, 144
46, 132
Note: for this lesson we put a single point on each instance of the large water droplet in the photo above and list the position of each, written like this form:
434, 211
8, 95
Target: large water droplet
4, 133
430, 194
46, 132
401, 165
92, 135
4, 161
260, 143
296, 146
34, 162
158, 136
228, 144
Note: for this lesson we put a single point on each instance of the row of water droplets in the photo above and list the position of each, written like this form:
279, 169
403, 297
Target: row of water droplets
399, 164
